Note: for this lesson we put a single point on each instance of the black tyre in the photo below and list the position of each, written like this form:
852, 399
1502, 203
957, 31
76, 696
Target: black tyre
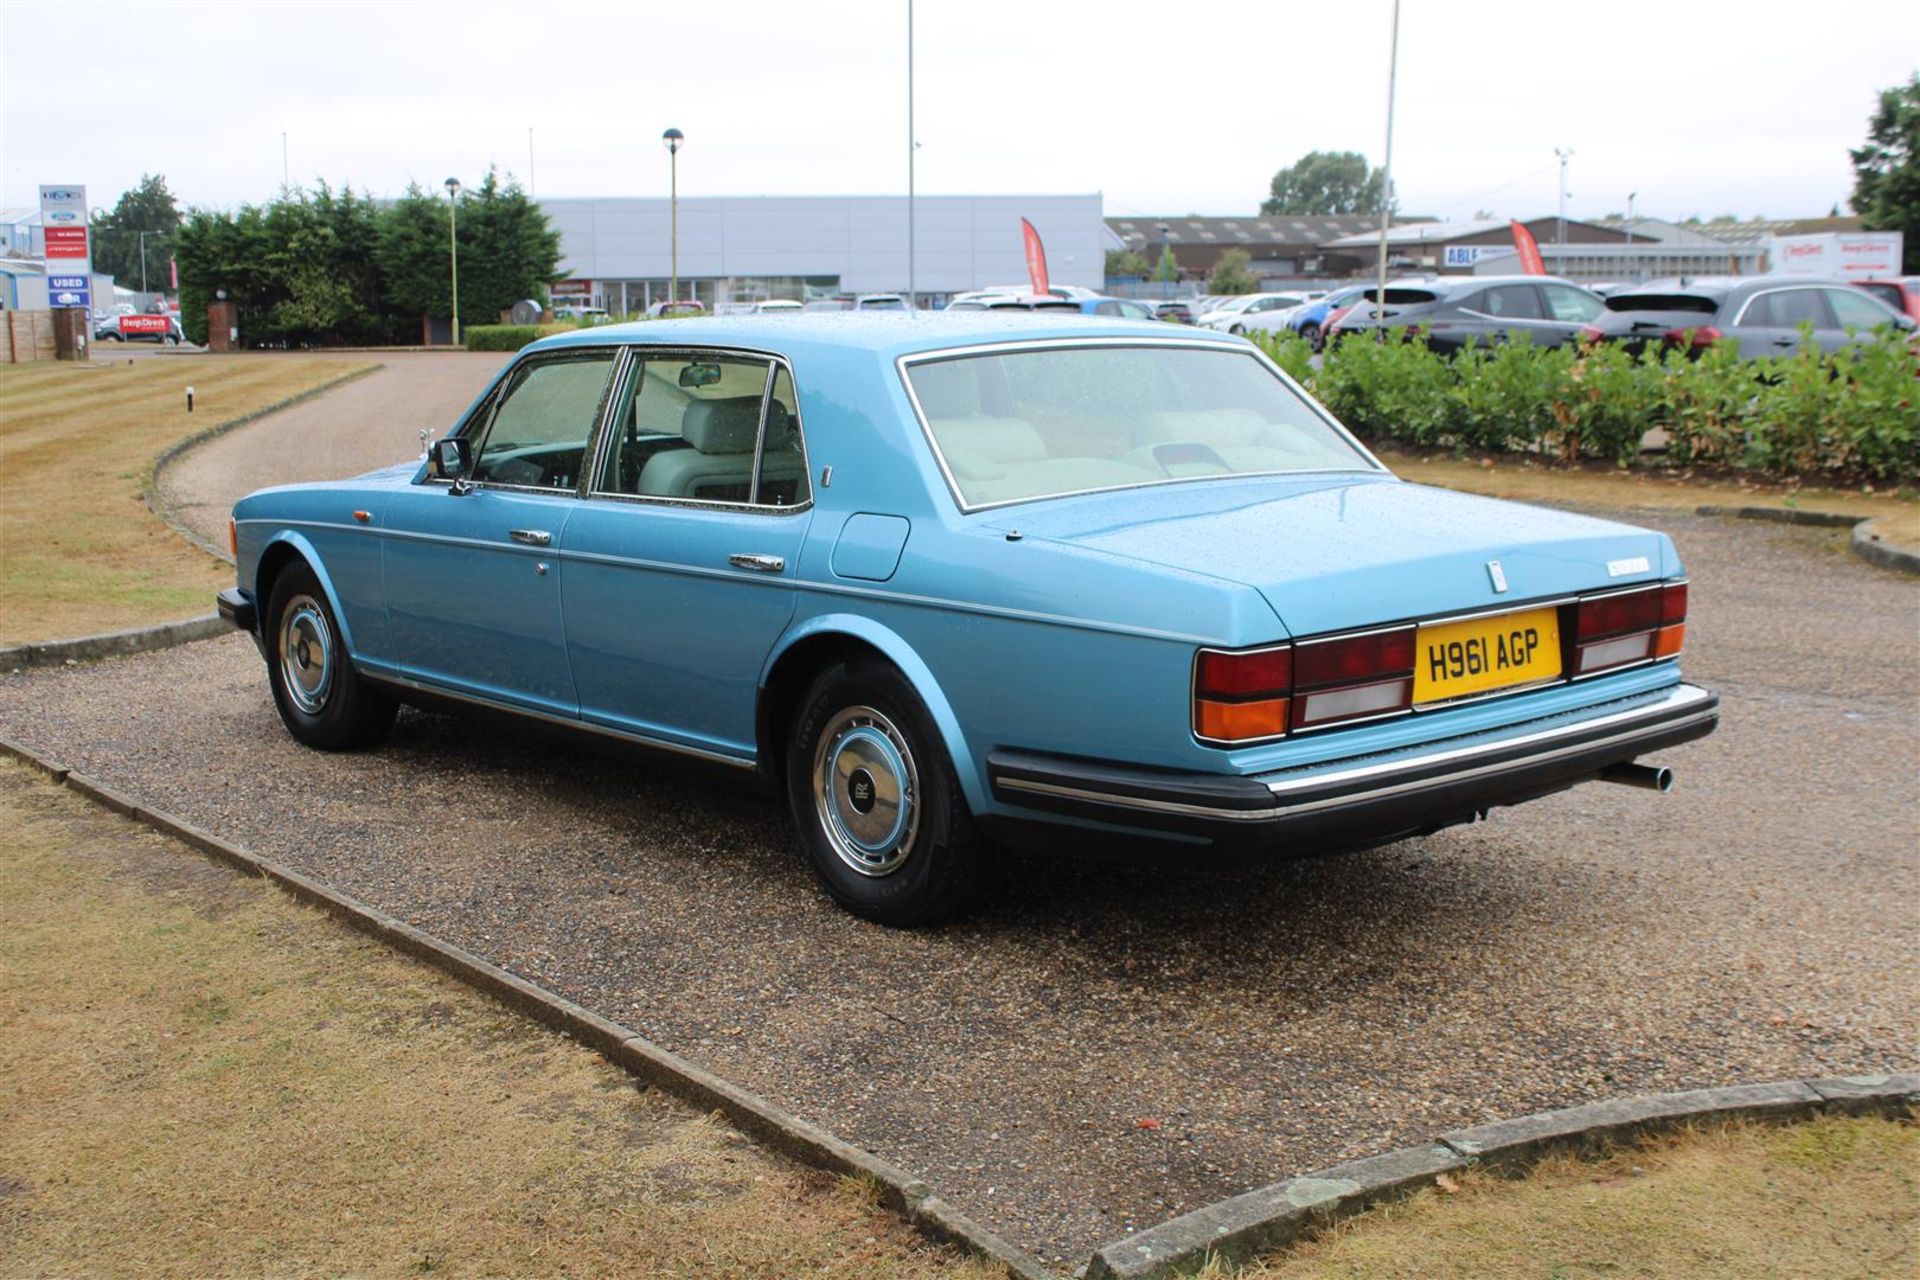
1311, 332
1237, 329
879, 809
322, 700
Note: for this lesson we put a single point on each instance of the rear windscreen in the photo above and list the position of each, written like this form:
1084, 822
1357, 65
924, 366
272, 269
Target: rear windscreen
1663, 302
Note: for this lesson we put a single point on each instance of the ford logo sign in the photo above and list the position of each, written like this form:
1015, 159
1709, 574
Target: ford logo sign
63, 216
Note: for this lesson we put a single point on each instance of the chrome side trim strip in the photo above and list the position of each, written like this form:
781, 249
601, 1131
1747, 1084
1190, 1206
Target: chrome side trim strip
570, 722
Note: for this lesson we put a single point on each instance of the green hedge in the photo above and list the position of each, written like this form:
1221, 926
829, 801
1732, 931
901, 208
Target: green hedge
1851, 415
510, 337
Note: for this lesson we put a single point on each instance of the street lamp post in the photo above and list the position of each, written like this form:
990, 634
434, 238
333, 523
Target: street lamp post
672, 138
453, 250
143, 256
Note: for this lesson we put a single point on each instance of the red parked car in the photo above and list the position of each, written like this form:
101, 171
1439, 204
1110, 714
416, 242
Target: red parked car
1902, 293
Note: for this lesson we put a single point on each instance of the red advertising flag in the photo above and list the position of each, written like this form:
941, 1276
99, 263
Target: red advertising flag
1036, 257
1531, 262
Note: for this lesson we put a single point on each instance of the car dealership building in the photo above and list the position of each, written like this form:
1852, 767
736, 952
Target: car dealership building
735, 249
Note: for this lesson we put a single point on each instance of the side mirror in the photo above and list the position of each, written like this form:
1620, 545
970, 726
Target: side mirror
449, 460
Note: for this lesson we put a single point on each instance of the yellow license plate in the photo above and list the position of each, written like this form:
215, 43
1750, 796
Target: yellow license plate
1457, 659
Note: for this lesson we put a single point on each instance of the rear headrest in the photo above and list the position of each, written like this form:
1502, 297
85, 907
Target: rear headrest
724, 425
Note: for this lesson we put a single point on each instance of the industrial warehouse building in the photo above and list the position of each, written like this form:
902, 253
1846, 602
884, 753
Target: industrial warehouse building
617, 252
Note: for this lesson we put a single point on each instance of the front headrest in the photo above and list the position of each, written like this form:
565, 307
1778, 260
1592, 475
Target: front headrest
724, 425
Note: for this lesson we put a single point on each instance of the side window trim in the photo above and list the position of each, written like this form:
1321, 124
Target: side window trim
480, 424
634, 357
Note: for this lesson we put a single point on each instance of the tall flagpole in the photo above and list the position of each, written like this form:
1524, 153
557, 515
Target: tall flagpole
1386, 185
913, 293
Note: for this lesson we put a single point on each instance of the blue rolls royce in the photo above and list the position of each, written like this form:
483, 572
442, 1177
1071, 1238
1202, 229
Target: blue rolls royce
940, 578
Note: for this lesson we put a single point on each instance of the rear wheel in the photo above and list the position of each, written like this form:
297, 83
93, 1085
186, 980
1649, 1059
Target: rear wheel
321, 698
879, 809
1311, 332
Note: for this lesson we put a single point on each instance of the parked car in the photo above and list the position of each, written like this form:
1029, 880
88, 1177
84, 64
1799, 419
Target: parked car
859, 302
1902, 293
575, 311
774, 306
1177, 312
936, 585
1123, 308
132, 326
1486, 311
1763, 314
1233, 315
668, 309
1014, 302
1309, 320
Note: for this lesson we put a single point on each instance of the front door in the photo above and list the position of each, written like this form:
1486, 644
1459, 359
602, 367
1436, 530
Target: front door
473, 577
680, 565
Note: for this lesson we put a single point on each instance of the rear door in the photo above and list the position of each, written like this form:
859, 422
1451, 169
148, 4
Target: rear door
680, 565
1770, 324
1505, 313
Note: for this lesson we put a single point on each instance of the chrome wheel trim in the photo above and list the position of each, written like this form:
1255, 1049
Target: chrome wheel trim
307, 657
866, 790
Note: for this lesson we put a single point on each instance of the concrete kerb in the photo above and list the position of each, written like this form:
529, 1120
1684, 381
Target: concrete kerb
754, 1116
1287, 1211
1868, 540
150, 482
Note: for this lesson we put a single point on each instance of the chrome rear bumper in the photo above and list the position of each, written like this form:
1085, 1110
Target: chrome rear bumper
1364, 799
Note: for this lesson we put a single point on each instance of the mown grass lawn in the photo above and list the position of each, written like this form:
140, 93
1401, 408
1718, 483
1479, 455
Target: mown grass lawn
200, 1077
1835, 1197
79, 551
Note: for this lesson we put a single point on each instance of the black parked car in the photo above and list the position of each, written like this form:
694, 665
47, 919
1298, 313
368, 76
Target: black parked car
1483, 310
1761, 313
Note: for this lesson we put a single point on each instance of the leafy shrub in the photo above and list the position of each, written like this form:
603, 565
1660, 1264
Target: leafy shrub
509, 337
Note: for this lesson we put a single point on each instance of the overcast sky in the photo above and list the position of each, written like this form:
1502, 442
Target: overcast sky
1702, 108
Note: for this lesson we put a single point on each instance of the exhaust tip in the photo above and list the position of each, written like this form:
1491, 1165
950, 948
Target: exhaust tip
1632, 774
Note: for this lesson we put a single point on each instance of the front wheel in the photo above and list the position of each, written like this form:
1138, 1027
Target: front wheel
321, 698
1237, 329
1311, 332
879, 809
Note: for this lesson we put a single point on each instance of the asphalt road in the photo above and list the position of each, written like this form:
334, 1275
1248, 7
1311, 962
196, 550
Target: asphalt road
1105, 1047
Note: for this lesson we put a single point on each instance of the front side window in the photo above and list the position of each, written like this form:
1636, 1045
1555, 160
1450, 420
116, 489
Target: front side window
688, 426
1044, 421
537, 437
1570, 305
1854, 310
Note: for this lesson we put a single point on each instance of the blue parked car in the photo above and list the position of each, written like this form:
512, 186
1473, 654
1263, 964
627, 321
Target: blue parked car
1310, 320
940, 578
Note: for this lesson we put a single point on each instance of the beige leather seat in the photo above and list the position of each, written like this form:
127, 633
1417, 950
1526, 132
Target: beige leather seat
717, 464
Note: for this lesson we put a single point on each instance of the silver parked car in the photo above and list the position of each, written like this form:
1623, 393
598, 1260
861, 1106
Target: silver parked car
1764, 314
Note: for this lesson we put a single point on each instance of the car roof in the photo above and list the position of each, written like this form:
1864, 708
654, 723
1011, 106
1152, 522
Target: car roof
885, 333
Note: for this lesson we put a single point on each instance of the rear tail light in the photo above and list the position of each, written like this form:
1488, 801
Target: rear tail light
233, 538
1242, 697
1694, 335
1592, 333
1629, 626
1267, 693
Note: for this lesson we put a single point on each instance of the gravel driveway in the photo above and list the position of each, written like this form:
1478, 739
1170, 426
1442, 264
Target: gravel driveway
1756, 924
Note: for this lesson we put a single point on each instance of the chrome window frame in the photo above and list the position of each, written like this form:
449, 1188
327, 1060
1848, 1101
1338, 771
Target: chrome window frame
479, 421
1229, 346
634, 355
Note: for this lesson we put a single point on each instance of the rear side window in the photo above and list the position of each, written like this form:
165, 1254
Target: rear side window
1512, 302
1788, 309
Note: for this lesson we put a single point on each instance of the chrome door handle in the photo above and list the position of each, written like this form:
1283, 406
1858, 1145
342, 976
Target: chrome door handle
531, 537
757, 563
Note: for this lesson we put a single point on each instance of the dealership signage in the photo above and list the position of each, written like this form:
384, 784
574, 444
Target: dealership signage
1851, 255
63, 222
1465, 255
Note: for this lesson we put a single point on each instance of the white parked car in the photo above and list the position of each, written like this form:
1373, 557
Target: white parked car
1235, 314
